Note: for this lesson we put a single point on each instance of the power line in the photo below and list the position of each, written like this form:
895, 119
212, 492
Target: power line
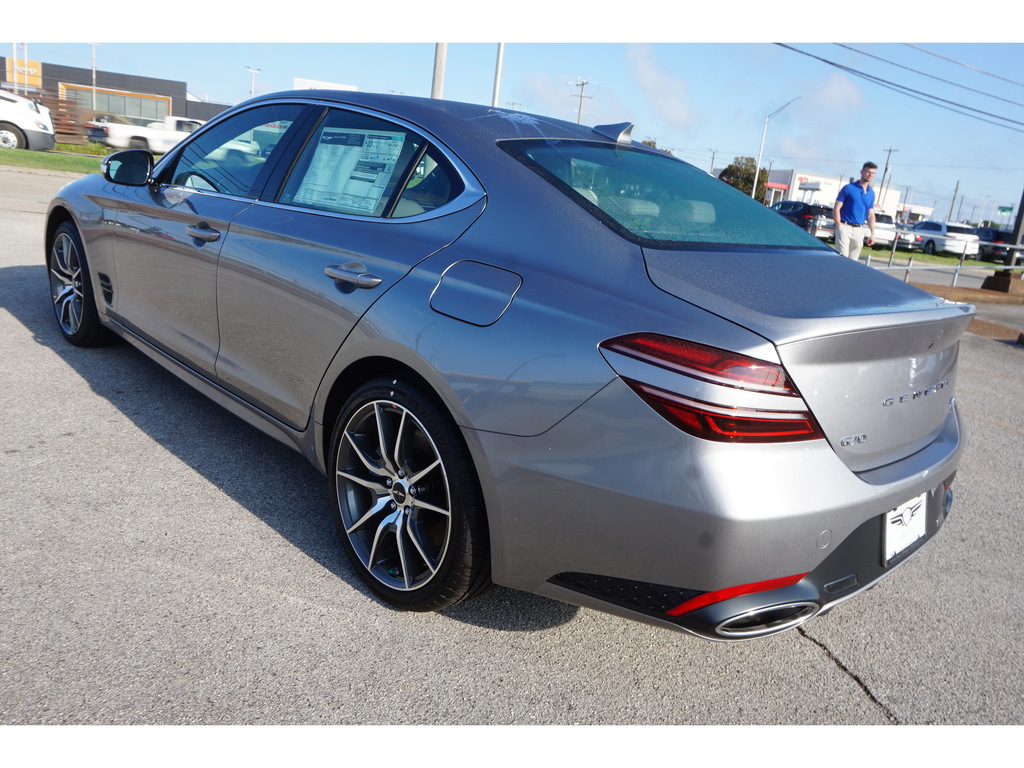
914, 94
960, 63
933, 77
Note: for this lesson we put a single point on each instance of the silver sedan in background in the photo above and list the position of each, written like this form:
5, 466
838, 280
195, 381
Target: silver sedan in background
531, 353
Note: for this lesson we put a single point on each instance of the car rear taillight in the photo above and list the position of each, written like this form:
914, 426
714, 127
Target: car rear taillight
713, 394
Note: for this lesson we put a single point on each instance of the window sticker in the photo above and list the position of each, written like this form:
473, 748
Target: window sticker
350, 170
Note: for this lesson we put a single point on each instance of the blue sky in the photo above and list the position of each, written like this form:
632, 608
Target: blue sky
699, 99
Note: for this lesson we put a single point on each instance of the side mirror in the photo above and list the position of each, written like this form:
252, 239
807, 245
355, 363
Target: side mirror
133, 167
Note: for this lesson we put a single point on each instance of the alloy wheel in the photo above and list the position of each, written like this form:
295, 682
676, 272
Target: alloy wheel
66, 283
393, 494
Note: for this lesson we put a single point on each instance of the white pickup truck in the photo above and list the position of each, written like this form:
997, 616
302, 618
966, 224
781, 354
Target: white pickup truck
158, 136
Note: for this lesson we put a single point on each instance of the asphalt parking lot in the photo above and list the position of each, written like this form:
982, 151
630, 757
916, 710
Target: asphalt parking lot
163, 563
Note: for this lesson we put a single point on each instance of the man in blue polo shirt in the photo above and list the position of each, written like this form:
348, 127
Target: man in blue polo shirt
854, 210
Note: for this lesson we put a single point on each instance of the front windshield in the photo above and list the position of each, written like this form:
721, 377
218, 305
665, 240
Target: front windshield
654, 199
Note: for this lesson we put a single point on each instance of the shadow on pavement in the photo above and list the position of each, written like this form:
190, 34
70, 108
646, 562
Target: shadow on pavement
270, 480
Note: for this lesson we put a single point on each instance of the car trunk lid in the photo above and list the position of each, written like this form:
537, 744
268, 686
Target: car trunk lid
874, 358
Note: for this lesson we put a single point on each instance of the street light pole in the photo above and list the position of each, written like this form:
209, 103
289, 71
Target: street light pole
757, 168
252, 84
497, 74
94, 75
440, 59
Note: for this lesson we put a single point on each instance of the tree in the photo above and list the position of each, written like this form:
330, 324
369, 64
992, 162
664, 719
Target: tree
740, 174
654, 144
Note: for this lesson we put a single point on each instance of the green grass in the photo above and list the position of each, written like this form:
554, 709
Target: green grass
50, 161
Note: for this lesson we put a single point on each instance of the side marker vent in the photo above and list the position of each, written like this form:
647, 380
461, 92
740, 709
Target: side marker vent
107, 286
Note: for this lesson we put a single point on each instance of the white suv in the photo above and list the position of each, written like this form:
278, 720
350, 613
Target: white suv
932, 236
24, 123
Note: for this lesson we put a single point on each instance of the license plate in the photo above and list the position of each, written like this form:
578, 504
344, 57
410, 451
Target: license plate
904, 529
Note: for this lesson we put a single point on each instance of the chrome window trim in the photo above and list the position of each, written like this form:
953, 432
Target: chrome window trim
459, 203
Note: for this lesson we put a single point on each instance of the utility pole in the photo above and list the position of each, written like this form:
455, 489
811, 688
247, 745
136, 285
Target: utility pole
513, 104
440, 58
886, 171
713, 153
955, 193
581, 83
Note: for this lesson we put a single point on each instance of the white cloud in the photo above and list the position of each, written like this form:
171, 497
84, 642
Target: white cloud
667, 94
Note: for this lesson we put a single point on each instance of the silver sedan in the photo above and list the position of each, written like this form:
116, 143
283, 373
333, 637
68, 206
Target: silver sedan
531, 353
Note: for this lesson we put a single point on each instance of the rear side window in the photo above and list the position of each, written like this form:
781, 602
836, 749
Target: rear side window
655, 200
360, 165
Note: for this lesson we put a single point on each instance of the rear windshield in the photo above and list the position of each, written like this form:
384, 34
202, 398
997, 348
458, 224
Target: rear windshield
655, 200
956, 229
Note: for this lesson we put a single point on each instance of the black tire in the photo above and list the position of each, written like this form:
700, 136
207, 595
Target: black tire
138, 143
929, 247
71, 290
12, 137
405, 498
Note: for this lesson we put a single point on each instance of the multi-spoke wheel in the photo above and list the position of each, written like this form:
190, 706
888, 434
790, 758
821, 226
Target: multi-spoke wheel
71, 290
406, 502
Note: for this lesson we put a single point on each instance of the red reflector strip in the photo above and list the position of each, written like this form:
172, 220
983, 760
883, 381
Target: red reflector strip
720, 595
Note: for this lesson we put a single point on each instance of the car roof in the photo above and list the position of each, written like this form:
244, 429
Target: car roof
448, 119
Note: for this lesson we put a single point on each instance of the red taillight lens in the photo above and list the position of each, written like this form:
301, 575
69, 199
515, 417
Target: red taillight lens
719, 595
711, 411
703, 362
729, 425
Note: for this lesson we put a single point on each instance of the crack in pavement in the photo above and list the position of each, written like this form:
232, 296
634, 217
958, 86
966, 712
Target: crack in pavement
867, 691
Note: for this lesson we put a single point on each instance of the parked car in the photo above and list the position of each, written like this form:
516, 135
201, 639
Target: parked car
816, 219
905, 235
994, 245
934, 236
25, 123
532, 353
885, 230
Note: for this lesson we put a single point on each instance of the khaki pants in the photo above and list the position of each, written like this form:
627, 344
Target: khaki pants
850, 240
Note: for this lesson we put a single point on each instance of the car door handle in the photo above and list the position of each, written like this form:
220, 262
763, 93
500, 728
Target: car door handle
203, 232
353, 274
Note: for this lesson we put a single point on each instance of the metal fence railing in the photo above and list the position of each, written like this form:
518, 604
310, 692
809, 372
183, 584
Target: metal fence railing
955, 270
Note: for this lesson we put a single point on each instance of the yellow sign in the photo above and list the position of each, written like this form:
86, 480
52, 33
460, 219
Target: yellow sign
28, 73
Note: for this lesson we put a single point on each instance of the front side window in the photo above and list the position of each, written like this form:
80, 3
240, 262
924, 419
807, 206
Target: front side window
655, 200
229, 156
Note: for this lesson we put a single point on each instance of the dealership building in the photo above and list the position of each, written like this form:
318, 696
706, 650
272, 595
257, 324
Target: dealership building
75, 95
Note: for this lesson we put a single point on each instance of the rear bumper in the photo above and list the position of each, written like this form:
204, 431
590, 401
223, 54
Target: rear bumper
641, 518
855, 566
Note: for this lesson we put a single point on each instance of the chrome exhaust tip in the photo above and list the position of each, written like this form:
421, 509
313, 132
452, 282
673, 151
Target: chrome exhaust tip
768, 620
